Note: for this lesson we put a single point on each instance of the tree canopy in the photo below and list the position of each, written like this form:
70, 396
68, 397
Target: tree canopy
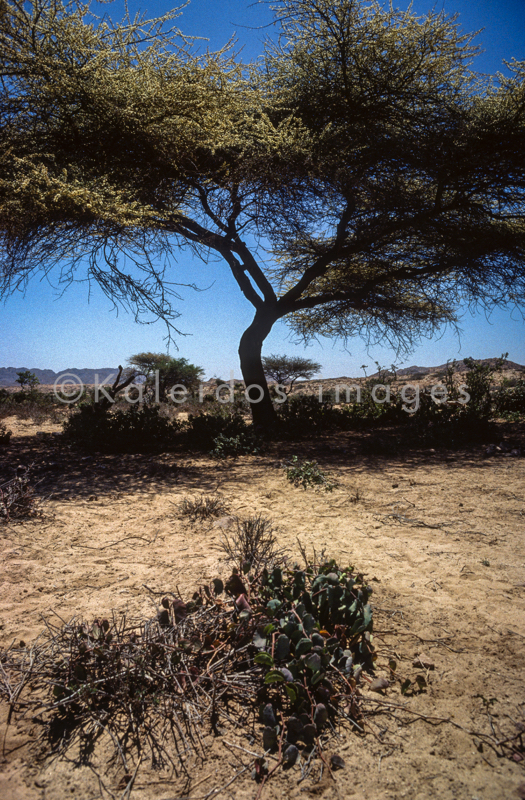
28, 379
359, 179
170, 372
286, 370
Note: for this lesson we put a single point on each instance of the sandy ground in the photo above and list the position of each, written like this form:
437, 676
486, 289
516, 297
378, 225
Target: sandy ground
440, 535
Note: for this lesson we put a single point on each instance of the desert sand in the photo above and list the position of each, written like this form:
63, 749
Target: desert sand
439, 535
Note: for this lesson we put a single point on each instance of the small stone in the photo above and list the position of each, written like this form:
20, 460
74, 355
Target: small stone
379, 684
336, 762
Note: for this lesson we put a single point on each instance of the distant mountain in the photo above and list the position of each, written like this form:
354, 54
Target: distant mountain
460, 366
8, 375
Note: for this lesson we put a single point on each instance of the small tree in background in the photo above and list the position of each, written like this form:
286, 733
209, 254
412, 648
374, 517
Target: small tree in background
27, 380
285, 370
171, 371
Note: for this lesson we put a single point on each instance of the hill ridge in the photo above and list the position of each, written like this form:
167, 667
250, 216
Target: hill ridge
8, 375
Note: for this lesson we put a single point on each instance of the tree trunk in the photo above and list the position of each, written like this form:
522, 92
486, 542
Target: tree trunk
263, 412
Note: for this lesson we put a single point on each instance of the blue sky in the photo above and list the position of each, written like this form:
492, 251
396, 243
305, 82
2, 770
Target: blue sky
47, 329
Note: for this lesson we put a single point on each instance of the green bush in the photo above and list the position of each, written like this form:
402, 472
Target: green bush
232, 446
18, 398
301, 616
452, 423
137, 429
368, 413
28, 405
202, 430
478, 380
308, 474
304, 414
509, 398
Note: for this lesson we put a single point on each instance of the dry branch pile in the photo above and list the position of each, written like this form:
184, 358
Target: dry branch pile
17, 498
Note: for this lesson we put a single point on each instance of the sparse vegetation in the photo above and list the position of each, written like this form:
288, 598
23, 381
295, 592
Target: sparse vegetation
34, 405
308, 474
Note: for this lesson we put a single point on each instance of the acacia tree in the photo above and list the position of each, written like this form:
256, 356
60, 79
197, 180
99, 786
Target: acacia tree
379, 179
170, 371
285, 370
27, 379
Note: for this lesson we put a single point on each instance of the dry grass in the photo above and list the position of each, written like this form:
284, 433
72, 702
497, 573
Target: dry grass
203, 507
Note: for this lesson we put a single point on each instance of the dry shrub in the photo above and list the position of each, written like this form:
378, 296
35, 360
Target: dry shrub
203, 507
253, 544
153, 685
17, 498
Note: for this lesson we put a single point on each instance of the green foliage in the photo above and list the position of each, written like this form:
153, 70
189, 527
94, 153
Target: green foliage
313, 625
137, 429
454, 423
246, 443
428, 421
27, 379
308, 474
478, 380
171, 372
303, 415
368, 413
509, 398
